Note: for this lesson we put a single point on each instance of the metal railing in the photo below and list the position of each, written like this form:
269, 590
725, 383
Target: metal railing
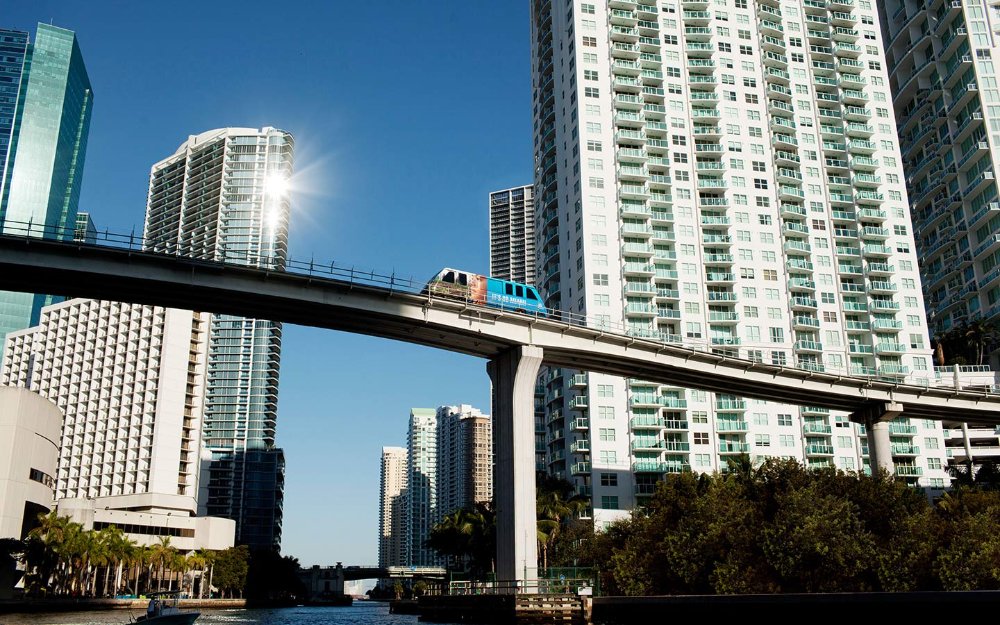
749, 353
528, 586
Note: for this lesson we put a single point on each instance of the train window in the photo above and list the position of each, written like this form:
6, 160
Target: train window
508, 289
449, 277
463, 279
520, 291
531, 294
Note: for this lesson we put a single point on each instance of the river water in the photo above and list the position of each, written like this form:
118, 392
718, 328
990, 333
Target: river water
361, 613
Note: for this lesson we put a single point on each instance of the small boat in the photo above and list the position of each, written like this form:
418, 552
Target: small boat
163, 610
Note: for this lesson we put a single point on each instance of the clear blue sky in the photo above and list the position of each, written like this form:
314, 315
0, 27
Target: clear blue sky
405, 115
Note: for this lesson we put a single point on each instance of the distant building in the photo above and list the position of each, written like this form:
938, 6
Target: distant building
449, 467
130, 382
234, 208
85, 231
465, 458
421, 480
392, 508
512, 234
29, 453
45, 107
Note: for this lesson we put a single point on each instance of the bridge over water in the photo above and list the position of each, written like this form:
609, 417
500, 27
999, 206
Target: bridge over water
515, 345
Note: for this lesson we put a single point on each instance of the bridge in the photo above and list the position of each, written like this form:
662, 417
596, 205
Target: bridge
514, 344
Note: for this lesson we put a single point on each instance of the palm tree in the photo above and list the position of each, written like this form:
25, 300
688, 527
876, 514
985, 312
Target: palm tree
555, 505
161, 553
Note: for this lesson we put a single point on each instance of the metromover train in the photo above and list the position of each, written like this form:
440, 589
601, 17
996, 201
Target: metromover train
486, 291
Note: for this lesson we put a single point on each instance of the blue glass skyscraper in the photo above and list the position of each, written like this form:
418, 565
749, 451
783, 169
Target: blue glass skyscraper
45, 107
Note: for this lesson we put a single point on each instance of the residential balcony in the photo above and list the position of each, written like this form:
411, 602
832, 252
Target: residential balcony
734, 448
732, 426
580, 468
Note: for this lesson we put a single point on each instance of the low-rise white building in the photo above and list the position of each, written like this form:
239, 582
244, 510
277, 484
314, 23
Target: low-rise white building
29, 451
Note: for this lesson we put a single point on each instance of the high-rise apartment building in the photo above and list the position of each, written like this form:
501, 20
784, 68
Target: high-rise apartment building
45, 107
223, 196
130, 382
512, 234
421, 486
942, 63
392, 508
725, 175
449, 467
465, 458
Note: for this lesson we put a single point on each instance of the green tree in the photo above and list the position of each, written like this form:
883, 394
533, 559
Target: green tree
230, 570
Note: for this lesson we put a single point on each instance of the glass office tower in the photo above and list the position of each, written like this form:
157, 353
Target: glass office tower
222, 196
45, 106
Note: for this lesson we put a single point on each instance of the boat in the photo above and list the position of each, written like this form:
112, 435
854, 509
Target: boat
163, 610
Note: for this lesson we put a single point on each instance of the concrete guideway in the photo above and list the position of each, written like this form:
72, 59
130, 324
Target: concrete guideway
515, 346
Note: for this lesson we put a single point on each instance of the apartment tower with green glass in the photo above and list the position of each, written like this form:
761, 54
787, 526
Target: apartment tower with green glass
222, 196
45, 107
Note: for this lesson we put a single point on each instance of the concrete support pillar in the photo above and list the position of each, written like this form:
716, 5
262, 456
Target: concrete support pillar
513, 374
876, 419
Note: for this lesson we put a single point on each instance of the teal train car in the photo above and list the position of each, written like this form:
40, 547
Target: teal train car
486, 291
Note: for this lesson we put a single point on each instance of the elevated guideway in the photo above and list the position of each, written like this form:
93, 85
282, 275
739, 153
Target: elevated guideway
358, 305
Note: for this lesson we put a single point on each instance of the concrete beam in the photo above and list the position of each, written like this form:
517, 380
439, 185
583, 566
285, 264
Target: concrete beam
513, 373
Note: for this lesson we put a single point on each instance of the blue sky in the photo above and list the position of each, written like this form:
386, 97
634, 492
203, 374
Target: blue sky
405, 114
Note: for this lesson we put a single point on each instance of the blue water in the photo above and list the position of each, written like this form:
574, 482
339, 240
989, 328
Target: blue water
361, 613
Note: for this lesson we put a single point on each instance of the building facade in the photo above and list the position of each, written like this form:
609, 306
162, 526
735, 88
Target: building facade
130, 382
512, 234
392, 508
421, 486
449, 467
465, 458
44, 123
223, 196
942, 62
725, 175
29, 454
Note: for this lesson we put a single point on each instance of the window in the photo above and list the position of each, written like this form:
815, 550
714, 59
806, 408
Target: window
934, 464
777, 335
602, 299
785, 420
590, 74
700, 438
787, 440
762, 440
702, 460
606, 412
600, 279
607, 434
605, 390
591, 92
609, 502
590, 42
593, 146
596, 183
770, 274
844, 442
608, 457
699, 416
930, 443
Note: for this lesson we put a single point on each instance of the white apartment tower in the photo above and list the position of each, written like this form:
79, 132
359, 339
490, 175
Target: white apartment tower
512, 234
421, 486
392, 508
942, 62
130, 381
723, 174
223, 196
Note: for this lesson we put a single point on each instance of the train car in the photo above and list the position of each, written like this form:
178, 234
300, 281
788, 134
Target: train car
486, 291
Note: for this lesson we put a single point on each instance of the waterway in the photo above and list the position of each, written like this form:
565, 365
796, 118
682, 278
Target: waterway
361, 613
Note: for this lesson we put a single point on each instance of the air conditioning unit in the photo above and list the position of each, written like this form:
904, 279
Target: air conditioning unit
971, 86
987, 175
994, 206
